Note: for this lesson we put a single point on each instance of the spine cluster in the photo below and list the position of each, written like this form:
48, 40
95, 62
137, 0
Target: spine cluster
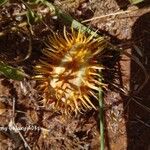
68, 73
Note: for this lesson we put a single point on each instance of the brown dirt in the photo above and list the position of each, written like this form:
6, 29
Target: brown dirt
127, 123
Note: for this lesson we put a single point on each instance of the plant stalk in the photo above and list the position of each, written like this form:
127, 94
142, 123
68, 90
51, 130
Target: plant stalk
101, 117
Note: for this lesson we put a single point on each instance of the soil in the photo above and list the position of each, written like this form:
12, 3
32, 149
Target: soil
126, 100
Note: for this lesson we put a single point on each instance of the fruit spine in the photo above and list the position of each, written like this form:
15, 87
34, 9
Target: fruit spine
68, 73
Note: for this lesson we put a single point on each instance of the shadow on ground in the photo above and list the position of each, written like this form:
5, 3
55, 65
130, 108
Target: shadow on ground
138, 123
137, 102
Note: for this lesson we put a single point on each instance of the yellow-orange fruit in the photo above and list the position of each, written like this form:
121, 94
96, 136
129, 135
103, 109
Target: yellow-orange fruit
68, 73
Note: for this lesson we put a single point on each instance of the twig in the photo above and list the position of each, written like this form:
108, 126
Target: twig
13, 125
108, 15
23, 139
114, 14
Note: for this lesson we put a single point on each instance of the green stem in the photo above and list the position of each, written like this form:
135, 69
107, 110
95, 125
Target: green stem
101, 117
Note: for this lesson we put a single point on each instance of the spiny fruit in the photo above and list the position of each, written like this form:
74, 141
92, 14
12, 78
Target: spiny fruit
68, 73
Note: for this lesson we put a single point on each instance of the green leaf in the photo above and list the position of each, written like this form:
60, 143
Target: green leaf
136, 1
11, 73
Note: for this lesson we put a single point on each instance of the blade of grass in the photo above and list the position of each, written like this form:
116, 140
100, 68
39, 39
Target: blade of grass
69, 20
101, 117
135, 1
